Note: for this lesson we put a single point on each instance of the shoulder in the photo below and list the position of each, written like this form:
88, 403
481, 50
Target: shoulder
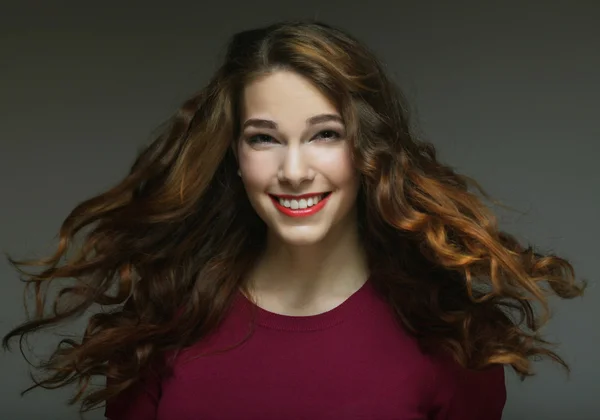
466, 394
140, 401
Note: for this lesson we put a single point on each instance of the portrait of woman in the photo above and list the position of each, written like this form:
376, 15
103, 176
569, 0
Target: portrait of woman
288, 248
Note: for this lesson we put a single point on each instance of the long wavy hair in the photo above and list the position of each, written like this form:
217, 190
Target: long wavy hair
163, 253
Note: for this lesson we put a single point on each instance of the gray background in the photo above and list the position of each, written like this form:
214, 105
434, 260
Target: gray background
508, 93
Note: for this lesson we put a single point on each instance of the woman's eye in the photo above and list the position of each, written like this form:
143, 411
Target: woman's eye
324, 135
328, 135
260, 138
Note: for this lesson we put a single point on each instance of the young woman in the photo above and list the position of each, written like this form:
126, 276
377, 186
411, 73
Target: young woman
288, 249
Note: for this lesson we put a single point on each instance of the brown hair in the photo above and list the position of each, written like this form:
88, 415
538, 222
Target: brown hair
163, 252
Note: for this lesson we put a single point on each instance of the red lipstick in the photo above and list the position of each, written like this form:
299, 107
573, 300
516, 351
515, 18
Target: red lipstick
309, 211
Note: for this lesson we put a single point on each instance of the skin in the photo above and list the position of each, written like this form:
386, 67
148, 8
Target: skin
311, 264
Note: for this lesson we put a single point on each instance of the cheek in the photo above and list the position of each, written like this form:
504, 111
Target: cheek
257, 169
336, 165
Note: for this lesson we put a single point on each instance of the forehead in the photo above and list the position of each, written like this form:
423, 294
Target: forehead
284, 96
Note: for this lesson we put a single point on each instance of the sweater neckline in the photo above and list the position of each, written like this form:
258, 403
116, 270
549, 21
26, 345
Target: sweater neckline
356, 302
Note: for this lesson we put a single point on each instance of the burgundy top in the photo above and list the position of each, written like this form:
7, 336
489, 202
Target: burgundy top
352, 362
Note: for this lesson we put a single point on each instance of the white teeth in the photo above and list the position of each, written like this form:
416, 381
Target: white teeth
300, 204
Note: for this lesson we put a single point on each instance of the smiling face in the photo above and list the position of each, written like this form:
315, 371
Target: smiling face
295, 160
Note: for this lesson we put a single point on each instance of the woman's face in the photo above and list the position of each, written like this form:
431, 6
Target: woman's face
294, 159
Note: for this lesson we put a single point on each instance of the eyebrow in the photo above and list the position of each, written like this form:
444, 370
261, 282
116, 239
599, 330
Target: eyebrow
317, 119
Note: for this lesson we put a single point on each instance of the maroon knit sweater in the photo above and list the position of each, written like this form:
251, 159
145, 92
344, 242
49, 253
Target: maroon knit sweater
352, 362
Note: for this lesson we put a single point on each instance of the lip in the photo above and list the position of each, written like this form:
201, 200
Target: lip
298, 197
309, 211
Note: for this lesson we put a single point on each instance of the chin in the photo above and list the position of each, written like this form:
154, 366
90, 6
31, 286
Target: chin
301, 236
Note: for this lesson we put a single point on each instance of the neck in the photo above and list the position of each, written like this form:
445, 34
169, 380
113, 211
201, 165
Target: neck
335, 266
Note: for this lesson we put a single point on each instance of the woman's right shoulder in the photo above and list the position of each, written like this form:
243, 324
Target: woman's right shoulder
140, 401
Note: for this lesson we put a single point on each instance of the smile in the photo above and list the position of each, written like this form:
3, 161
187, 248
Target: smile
301, 205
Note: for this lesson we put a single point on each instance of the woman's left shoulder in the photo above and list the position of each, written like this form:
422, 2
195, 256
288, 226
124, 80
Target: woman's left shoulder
462, 393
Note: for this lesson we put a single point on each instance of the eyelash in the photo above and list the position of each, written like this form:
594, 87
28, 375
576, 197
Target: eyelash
254, 139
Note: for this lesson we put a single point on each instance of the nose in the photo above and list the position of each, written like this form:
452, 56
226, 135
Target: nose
295, 168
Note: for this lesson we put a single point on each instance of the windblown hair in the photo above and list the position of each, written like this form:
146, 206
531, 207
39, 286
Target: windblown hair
163, 252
